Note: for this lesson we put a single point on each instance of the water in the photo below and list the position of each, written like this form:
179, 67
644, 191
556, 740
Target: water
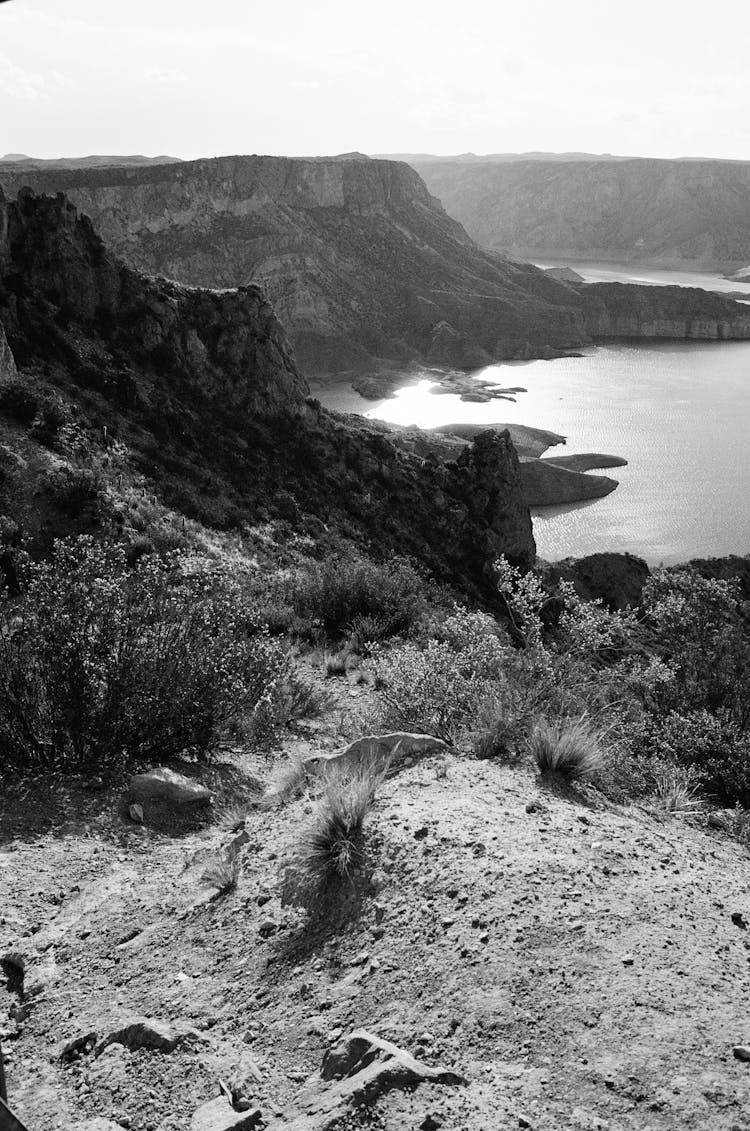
652, 276
678, 412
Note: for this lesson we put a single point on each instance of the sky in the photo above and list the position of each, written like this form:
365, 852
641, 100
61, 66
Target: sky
190, 79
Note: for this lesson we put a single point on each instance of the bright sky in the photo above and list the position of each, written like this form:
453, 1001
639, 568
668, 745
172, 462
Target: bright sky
190, 78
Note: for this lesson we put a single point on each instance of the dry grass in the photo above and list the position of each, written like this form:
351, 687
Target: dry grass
568, 748
338, 663
331, 849
675, 789
290, 782
223, 873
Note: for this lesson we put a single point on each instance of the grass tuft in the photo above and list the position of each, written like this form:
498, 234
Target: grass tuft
330, 850
223, 873
676, 790
568, 748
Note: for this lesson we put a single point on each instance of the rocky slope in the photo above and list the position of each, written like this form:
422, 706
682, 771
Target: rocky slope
675, 213
356, 256
197, 393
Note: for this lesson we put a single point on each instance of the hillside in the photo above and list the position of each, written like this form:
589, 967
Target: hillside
359, 261
132, 384
674, 213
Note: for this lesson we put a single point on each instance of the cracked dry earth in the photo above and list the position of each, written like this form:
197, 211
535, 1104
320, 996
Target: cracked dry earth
578, 964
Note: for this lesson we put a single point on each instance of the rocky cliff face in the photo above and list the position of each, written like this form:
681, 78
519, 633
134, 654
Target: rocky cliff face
202, 391
671, 212
617, 310
357, 258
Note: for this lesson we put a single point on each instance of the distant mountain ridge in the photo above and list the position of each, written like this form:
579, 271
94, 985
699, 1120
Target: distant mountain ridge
91, 162
687, 212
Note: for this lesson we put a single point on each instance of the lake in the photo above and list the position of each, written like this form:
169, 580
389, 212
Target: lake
678, 412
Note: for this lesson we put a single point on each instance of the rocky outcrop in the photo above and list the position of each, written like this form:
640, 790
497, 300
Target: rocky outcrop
618, 310
355, 255
675, 213
546, 484
7, 361
201, 391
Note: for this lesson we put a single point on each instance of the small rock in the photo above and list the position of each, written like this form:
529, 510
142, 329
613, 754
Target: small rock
627, 959
135, 812
741, 1052
219, 1115
267, 928
739, 920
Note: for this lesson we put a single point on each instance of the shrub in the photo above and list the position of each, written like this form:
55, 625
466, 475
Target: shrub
356, 593
331, 850
439, 688
18, 401
568, 748
99, 663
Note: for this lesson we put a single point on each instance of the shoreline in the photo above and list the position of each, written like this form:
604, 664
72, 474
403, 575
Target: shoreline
555, 481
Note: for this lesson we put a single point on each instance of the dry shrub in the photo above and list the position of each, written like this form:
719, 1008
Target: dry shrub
569, 748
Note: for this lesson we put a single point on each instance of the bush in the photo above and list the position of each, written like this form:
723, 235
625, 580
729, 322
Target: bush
375, 600
18, 401
568, 748
99, 663
440, 687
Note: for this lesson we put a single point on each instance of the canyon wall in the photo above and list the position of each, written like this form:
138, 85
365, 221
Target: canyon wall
201, 391
673, 213
359, 261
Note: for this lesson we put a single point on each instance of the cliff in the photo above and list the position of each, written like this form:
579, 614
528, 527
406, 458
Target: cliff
675, 213
359, 261
618, 310
199, 392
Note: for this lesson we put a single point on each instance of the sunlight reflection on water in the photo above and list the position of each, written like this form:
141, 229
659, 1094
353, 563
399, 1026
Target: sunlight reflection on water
678, 412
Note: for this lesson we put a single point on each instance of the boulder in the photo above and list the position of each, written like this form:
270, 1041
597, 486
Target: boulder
164, 784
379, 751
147, 1033
355, 1072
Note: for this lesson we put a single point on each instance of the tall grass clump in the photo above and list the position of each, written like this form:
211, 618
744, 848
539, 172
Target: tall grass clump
568, 748
100, 663
331, 851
